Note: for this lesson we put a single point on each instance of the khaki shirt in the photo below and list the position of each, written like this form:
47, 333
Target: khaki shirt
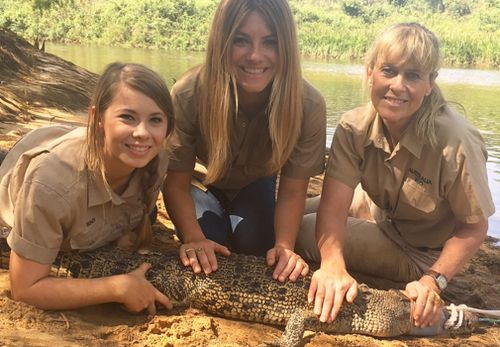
52, 202
250, 141
421, 191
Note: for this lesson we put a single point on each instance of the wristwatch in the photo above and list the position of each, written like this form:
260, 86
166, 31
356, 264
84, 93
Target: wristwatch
441, 280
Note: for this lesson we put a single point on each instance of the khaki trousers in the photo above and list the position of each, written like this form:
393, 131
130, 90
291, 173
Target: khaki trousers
367, 249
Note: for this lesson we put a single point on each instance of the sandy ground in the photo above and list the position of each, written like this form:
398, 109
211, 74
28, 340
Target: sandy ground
109, 325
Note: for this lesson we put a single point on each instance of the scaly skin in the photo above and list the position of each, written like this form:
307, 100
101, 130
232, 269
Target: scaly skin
242, 288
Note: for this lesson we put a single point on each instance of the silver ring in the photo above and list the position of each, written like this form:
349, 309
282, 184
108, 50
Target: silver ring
199, 249
188, 249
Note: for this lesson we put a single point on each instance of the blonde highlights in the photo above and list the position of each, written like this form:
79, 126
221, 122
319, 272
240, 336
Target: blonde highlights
414, 44
218, 84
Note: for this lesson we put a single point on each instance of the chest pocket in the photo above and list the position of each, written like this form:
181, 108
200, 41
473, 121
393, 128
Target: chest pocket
91, 234
415, 195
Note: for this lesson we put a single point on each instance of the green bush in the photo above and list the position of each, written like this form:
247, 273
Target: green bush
457, 8
353, 8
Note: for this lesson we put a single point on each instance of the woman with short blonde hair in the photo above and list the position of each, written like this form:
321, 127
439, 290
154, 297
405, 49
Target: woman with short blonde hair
405, 196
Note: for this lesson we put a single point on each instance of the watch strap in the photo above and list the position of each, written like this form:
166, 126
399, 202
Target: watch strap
437, 276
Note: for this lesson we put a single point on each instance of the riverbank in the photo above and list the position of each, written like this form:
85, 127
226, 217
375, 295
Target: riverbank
478, 285
334, 29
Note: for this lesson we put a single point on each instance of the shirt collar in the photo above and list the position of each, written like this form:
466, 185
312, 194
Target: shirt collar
376, 132
409, 140
99, 191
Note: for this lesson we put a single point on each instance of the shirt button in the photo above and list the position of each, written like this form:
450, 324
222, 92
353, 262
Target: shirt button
244, 124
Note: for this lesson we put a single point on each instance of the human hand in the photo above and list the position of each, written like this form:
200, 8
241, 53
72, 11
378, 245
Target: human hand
201, 255
289, 264
327, 291
136, 293
428, 303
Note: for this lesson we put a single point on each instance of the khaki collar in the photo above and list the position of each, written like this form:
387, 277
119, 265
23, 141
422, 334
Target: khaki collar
409, 139
411, 142
99, 191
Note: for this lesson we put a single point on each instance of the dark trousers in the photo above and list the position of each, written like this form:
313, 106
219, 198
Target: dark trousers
246, 223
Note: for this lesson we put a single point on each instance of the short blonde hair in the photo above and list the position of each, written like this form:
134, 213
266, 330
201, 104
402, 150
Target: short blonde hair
218, 89
414, 44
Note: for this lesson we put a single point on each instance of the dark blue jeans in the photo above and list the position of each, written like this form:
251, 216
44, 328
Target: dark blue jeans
246, 223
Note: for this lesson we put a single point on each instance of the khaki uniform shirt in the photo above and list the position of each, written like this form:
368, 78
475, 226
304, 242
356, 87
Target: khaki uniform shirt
250, 141
421, 192
52, 202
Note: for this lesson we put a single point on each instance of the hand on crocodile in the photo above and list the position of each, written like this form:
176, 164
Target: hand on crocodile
327, 292
288, 264
428, 303
136, 293
200, 255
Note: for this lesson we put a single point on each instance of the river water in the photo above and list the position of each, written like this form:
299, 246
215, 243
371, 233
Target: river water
478, 91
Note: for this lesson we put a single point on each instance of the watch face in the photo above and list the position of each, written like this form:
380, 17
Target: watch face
441, 282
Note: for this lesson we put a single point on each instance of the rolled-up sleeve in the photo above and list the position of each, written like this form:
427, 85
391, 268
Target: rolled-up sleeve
308, 156
186, 133
343, 160
466, 184
39, 216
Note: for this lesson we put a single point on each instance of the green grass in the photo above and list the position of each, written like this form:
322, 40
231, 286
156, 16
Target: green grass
336, 29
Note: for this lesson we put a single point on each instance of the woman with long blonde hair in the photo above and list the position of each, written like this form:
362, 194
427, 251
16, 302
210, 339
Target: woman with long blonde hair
246, 115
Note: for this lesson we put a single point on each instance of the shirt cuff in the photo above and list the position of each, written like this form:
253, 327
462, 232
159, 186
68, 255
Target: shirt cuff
31, 251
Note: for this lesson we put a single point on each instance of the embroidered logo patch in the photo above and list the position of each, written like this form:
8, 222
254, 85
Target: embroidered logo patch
419, 178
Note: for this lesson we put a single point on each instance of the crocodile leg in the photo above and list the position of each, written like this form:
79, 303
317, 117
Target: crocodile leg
295, 326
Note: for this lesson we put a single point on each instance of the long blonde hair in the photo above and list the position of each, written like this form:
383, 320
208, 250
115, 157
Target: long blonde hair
147, 82
415, 44
218, 91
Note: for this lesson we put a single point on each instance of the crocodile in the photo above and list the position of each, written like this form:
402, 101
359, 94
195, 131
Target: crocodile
242, 288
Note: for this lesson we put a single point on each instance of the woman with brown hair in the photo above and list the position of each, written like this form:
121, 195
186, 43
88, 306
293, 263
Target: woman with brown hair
67, 188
